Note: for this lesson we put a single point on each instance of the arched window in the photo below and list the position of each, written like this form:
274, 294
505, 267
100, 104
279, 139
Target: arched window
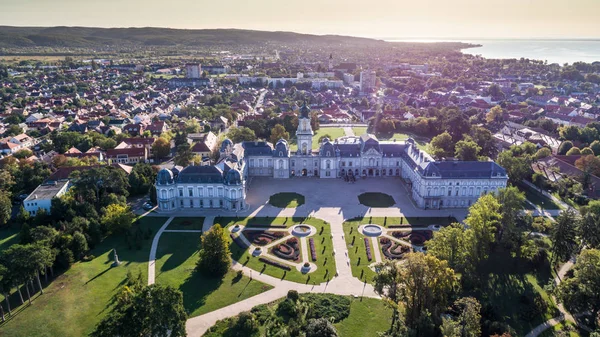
281, 153
163, 194
449, 191
371, 161
280, 164
391, 172
328, 153
328, 164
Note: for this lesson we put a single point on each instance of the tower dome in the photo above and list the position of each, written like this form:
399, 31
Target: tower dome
233, 177
164, 177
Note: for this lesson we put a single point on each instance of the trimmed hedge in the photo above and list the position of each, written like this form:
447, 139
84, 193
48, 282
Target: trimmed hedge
238, 241
313, 252
275, 263
368, 248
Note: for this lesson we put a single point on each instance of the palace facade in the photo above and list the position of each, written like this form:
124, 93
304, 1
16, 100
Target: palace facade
432, 184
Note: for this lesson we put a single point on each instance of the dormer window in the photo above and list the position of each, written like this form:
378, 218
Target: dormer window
328, 153
281, 153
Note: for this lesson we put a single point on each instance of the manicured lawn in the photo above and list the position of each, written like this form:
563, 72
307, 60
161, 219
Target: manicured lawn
186, 223
323, 246
286, 200
77, 300
8, 237
421, 142
332, 132
355, 325
359, 130
258, 221
357, 252
538, 199
508, 286
176, 258
376, 199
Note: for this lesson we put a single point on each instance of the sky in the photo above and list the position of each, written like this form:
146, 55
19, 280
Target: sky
369, 18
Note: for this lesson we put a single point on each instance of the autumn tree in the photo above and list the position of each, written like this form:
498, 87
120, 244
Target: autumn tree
214, 258
495, 115
278, 132
589, 164
161, 148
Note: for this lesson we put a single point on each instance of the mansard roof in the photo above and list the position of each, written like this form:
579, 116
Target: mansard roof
464, 169
257, 149
200, 175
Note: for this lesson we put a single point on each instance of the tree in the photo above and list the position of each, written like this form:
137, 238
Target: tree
589, 230
570, 132
320, 327
587, 151
469, 317
241, 134
5, 207
581, 292
117, 218
79, 245
184, 155
565, 147
495, 115
161, 148
153, 310
278, 132
511, 202
448, 244
543, 153
214, 258
517, 167
441, 146
467, 150
563, 236
589, 164
412, 284
574, 151
595, 146
483, 220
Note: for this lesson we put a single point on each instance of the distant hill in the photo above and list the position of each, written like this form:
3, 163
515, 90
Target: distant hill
85, 37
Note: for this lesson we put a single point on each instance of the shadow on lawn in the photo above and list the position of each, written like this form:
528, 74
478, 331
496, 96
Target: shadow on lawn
196, 288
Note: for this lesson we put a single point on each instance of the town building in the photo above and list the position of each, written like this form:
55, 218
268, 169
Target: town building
368, 81
431, 184
193, 70
41, 197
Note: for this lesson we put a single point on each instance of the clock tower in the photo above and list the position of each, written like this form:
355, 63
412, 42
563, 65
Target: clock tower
304, 134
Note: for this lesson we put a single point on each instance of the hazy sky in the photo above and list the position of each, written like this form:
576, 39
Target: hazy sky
371, 18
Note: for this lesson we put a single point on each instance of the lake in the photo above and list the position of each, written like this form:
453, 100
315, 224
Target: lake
554, 51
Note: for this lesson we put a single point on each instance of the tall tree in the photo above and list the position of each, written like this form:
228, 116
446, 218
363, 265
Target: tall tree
449, 244
278, 132
581, 292
153, 310
467, 150
589, 230
214, 258
117, 218
441, 146
564, 236
241, 134
184, 155
483, 220
511, 202
161, 148
422, 283
5, 207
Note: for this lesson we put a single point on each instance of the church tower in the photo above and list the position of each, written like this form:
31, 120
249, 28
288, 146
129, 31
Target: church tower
304, 134
330, 62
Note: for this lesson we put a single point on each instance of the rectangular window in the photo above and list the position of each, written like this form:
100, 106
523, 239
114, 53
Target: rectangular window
190, 192
293, 162
350, 164
327, 174
316, 164
181, 192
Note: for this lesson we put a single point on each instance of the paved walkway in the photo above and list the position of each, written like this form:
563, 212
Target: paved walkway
152, 257
348, 131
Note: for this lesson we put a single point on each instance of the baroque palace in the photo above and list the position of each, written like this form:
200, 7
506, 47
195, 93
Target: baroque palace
432, 184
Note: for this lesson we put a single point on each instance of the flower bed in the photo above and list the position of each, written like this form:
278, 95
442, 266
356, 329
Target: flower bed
419, 238
313, 251
263, 238
368, 248
401, 234
267, 225
393, 250
238, 241
400, 226
288, 250
274, 263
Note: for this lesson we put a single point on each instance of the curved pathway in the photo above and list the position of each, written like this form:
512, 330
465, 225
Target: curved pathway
152, 258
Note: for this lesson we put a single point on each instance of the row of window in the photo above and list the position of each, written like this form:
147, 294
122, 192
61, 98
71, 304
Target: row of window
200, 193
457, 191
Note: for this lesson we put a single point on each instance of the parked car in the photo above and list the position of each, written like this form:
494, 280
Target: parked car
148, 206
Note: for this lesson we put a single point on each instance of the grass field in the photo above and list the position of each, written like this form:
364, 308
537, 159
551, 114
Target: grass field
538, 199
286, 200
376, 199
323, 246
176, 258
8, 237
77, 300
332, 132
355, 325
186, 223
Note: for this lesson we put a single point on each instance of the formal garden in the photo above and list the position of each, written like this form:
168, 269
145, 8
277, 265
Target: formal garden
376, 199
293, 249
375, 239
286, 200
330, 315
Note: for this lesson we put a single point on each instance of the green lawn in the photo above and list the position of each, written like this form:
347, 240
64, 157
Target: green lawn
176, 258
186, 223
258, 221
323, 246
8, 237
550, 332
538, 199
359, 130
75, 301
376, 199
355, 325
286, 200
332, 132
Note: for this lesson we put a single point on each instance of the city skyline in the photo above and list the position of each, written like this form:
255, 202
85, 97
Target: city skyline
383, 19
